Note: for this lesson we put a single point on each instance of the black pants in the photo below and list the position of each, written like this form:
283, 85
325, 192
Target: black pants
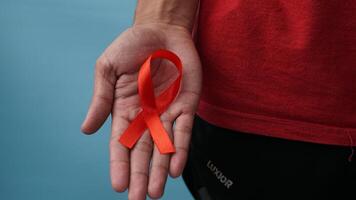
225, 164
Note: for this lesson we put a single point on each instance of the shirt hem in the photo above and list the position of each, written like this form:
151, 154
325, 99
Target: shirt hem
277, 127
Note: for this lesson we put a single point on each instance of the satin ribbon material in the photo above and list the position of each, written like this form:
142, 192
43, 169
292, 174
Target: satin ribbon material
153, 107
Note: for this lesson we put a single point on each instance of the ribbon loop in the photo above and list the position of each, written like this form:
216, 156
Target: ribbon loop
153, 107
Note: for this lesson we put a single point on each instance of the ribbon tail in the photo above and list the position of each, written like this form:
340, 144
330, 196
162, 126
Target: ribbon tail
158, 133
133, 132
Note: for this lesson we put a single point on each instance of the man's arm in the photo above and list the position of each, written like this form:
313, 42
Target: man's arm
172, 12
158, 24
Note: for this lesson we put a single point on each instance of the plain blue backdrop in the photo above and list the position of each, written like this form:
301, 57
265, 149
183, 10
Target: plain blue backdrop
47, 53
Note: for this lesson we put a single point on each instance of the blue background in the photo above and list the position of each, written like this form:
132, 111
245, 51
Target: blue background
47, 52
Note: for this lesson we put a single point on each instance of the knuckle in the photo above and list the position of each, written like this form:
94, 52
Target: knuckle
188, 109
168, 115
119, 161
114, 140
160, 167
144, 146
105, 69
139, 173
102, 63
182, 149
183, 130
114, 144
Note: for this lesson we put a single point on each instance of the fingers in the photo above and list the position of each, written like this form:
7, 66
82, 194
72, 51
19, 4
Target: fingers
102, 99
139, 167
159, 166
182, 134
119, 156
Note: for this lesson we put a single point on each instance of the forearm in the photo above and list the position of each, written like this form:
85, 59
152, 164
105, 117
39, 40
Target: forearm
172, 12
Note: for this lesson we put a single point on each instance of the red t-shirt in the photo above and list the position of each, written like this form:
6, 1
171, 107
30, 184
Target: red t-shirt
280, 68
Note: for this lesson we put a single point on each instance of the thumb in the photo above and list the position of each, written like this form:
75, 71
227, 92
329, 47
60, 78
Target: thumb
102, 99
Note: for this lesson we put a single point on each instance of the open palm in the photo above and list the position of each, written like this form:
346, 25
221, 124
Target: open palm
143, 169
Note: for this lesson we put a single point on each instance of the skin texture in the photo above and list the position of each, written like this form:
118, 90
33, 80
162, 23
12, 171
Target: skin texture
143, 170
174, 12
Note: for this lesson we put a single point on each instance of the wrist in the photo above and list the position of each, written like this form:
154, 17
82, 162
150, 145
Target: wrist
178, 13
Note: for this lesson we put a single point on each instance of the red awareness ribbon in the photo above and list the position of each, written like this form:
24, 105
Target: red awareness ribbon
153, 107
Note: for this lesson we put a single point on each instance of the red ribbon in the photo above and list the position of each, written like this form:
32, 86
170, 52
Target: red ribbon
153, 107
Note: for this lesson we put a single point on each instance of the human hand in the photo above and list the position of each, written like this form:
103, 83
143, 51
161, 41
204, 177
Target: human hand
143, 170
